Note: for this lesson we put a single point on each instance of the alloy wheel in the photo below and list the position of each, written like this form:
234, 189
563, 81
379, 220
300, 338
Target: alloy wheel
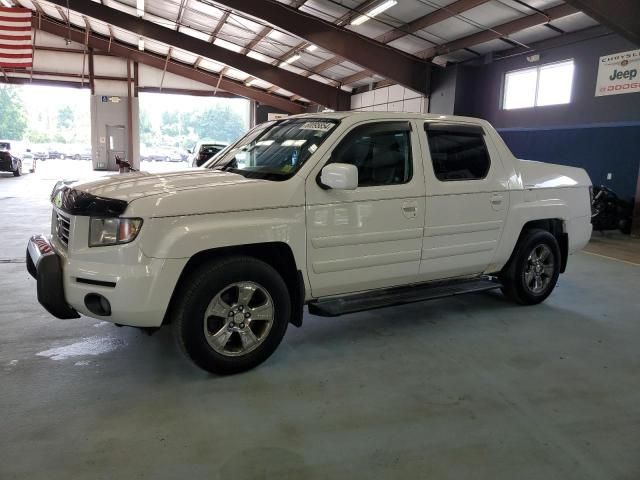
540, 269
238, 319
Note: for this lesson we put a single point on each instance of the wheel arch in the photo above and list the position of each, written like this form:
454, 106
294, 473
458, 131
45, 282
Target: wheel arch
276, 254
555, 226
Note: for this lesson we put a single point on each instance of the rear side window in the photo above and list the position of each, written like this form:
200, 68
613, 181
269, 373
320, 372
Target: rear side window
381, 151
458, 153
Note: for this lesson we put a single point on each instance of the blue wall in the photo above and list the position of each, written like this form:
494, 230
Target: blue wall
599, 149
599, 134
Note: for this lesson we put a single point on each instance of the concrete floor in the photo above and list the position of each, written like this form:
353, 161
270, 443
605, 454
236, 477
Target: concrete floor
467, 387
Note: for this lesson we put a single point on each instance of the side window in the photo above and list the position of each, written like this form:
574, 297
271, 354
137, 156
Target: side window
381, 151
458, 152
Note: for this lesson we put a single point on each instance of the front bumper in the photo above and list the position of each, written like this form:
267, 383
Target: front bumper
44, 265
137, 287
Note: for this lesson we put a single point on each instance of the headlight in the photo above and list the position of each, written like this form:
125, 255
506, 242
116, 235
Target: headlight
113, 231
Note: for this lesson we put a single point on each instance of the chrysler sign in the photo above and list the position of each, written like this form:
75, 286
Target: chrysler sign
619, 73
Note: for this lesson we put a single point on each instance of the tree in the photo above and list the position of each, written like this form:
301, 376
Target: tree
38, 136
170, 126
13, 123
66, 118
219, 124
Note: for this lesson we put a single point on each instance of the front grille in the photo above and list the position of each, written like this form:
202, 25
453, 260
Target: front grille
63, 227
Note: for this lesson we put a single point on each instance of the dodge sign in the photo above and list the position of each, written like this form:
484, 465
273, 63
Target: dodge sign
619, 73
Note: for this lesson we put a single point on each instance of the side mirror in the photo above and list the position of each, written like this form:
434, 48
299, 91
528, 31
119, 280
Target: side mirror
340, 176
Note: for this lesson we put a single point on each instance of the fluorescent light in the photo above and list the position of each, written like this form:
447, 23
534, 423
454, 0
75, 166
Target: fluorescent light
311, 48
140, 8
7, 3
373, 12
141, 45
291, 59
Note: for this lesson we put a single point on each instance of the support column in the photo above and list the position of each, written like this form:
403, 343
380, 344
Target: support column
114, 125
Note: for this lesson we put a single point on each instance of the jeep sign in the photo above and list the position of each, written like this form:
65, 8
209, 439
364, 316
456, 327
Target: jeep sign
619, 73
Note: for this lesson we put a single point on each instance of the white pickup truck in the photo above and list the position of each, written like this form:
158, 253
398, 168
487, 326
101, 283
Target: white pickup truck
342, 212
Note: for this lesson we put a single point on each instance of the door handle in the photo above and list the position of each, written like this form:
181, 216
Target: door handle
497, 199
410, 209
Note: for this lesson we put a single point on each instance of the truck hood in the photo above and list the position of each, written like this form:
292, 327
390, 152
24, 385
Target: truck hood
187, 192
135, 185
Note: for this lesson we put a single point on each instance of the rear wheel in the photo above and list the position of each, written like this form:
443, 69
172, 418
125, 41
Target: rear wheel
232, 314
532, 273
18, 171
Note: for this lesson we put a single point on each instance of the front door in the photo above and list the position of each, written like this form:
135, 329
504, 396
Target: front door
467, 200
370, 237
116, 145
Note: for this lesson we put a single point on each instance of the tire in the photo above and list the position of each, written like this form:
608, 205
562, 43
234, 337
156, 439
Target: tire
18, 171
534, 268
209, 317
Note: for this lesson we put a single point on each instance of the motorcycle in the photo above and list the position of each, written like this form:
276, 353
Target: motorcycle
609, 212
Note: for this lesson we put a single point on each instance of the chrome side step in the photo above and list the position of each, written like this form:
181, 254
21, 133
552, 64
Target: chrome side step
334, 306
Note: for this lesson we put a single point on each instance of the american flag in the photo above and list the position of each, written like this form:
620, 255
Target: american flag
16, 50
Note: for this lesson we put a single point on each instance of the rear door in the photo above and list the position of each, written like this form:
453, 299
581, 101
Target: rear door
466, 200
370, 237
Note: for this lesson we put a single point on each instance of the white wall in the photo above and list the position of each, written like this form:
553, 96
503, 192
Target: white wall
394, 98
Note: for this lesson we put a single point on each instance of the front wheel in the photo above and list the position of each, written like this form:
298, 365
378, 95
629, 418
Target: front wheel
18, 171
232, 314
533, 271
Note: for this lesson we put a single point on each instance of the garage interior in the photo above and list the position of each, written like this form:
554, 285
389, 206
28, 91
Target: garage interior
461, 387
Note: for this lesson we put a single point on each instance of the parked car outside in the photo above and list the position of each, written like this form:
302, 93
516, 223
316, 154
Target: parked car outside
57, 151
342, 212
78, 152
164, 154
203, 151
17, 165
40, 152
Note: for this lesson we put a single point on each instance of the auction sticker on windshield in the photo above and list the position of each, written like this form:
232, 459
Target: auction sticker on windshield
320, 126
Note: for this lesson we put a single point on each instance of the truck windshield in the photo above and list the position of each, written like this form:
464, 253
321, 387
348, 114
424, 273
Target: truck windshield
276, 150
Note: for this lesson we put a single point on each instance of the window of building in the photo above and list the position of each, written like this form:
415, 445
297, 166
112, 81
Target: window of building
539, 86
458, 154
381, 151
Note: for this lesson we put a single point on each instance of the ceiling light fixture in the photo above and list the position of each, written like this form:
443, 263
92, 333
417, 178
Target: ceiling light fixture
311, 48
291, 59
141, 45
249, 83
7, 3
140, 8
373, 12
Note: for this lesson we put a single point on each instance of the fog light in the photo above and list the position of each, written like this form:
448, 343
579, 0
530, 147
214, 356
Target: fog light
97, 304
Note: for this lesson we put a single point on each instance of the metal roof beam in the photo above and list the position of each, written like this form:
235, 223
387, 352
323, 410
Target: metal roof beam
366, 52
315, 91
440, 15
131, 52
622, 16
500, 31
